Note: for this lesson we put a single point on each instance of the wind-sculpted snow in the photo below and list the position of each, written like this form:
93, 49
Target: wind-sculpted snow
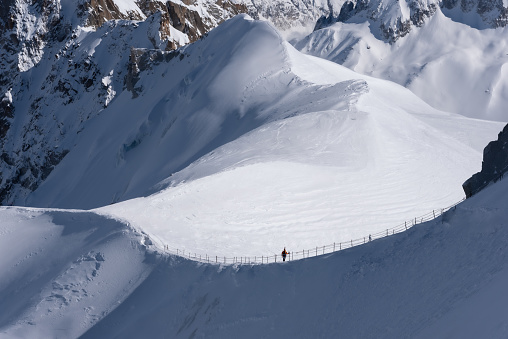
73, 273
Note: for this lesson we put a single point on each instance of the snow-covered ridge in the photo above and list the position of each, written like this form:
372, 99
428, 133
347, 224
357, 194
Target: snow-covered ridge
183, 105
244, 258
77, 273
323, 148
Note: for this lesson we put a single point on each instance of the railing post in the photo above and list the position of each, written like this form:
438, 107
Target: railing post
434, 214
323, 249
351, 242
334, 247
316, 251
405, 225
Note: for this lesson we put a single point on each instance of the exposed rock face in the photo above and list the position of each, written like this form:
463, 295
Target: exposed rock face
494, 165
6, 114
285, 14
100, 11
180, 16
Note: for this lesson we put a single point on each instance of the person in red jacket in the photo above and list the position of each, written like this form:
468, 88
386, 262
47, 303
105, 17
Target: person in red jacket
284, 253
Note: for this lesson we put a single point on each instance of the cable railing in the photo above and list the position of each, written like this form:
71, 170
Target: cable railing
312, 252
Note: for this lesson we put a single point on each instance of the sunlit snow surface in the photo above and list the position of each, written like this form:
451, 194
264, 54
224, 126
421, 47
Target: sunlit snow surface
273, 148
72, 273
356, 155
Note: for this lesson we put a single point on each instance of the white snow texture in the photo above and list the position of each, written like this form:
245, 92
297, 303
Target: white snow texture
239, 145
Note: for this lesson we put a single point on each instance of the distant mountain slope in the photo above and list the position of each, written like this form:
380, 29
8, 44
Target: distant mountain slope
452, 66
391, 20
72, 273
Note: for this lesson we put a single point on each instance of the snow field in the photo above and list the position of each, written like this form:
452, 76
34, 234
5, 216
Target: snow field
294, 151
377, 157
443, 277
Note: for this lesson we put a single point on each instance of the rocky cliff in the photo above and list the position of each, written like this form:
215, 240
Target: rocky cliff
494, 165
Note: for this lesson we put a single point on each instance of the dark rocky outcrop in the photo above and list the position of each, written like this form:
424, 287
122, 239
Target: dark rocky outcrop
6, 114
100, 11
494, 165
179, 16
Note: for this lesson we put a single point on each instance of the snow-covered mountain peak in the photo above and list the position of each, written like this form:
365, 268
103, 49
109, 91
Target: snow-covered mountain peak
184, 104
391, 20
317, 142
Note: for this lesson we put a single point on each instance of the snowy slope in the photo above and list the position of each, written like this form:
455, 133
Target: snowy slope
452, 66
241, 77
62, 271
357, 156
67, 273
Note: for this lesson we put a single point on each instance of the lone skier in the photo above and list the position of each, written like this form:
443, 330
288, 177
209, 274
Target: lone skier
284, 253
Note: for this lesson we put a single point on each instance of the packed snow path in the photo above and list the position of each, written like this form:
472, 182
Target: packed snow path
318, 250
